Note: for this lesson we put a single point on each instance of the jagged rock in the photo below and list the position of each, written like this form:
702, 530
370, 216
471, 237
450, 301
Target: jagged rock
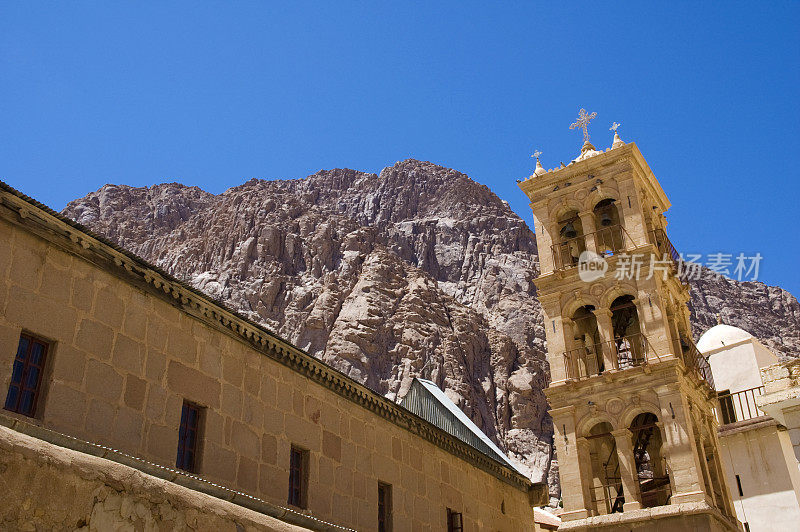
416, 271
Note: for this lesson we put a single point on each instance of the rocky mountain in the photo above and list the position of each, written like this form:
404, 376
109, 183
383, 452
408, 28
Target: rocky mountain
416, 271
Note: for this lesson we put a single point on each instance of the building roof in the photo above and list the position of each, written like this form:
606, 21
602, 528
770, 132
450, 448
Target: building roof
429, 402
545, 519
721, 336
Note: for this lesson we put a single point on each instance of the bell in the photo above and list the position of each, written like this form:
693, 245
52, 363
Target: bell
569, 231
605, 219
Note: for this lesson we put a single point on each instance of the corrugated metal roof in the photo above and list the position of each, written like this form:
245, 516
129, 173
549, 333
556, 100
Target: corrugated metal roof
426, 400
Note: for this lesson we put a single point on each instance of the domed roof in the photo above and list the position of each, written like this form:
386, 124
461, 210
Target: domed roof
720, 336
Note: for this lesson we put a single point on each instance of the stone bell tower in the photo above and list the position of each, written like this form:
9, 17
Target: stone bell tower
631, 397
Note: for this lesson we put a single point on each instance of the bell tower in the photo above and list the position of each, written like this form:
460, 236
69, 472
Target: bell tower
631, 397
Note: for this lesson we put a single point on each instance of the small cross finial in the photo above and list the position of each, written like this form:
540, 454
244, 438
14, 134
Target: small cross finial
583, 123
614, 127
536, 154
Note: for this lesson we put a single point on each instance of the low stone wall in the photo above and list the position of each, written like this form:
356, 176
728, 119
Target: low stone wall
46, 487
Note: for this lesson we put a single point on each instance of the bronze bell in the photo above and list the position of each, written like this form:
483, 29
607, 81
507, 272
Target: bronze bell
568, 231
605, 219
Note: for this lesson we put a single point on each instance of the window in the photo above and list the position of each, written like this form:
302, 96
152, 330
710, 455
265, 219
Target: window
384, 507
726, 407
739, 485
454, 521
26, 375
298, 476
188, 436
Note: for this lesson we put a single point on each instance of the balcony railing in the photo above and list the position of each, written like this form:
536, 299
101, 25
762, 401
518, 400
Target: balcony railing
623, 353
696, 362
607, 240
665, 247
738, 406
608, 497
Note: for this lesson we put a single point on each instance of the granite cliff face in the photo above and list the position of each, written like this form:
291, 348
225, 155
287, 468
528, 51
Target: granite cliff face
416, 271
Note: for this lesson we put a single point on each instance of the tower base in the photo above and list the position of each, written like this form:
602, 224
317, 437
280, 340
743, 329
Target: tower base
694, 516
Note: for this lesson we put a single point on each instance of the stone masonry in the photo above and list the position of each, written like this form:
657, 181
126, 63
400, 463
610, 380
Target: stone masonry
129, 344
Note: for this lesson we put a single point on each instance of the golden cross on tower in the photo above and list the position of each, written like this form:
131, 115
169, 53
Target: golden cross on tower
536, 154
614, 127
583, 122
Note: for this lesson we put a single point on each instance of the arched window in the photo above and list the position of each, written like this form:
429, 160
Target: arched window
570, 242
609, 236
586, 357
629, 343
651, 464
606, 487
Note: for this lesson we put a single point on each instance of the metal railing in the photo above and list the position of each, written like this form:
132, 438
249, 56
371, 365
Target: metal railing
608, 497
607, 240
623, 353
738, 406
696, 362
566, 253
665, 248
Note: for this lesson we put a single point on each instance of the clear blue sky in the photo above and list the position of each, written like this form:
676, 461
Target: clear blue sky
212, 94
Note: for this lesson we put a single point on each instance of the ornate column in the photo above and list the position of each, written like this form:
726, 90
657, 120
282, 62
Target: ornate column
585, 459
679, 438
589, 228
660, 428
719, 473
606, 330
544, 239
557, 336
567, 356
627, 469
571, 469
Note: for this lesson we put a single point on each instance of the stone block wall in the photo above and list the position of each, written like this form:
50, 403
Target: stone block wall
46, 487
123, 359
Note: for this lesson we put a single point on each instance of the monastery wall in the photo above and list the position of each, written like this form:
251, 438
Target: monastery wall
124, 357
62, 489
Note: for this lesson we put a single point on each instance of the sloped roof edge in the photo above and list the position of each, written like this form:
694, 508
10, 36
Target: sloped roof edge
442, 401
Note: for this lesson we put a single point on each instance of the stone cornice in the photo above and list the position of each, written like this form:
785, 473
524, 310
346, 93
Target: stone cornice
24, 211
538, 188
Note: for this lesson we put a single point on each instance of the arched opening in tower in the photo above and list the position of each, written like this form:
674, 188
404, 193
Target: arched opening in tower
609, 236
586, 359
651, 465
606, 483
629, 343
571, 240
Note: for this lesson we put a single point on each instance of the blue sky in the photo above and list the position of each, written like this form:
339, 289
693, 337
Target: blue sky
212, 94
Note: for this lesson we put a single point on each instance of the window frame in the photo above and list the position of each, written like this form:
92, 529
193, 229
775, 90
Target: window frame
384, 507
181, 463
298, 477
455, 521
38, 389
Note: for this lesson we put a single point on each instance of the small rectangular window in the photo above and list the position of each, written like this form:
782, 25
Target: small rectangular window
727, 412
298, 477
384, 507
454, 521
188, 437
26, 375
739, 485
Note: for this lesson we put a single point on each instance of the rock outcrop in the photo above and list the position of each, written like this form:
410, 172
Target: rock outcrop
416, 271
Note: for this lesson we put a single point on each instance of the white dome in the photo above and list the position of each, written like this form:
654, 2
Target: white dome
720, 336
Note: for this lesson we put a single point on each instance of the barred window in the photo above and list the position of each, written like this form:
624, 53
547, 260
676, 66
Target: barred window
384, 507
298, 477
188, 436
454, 521
26, 375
